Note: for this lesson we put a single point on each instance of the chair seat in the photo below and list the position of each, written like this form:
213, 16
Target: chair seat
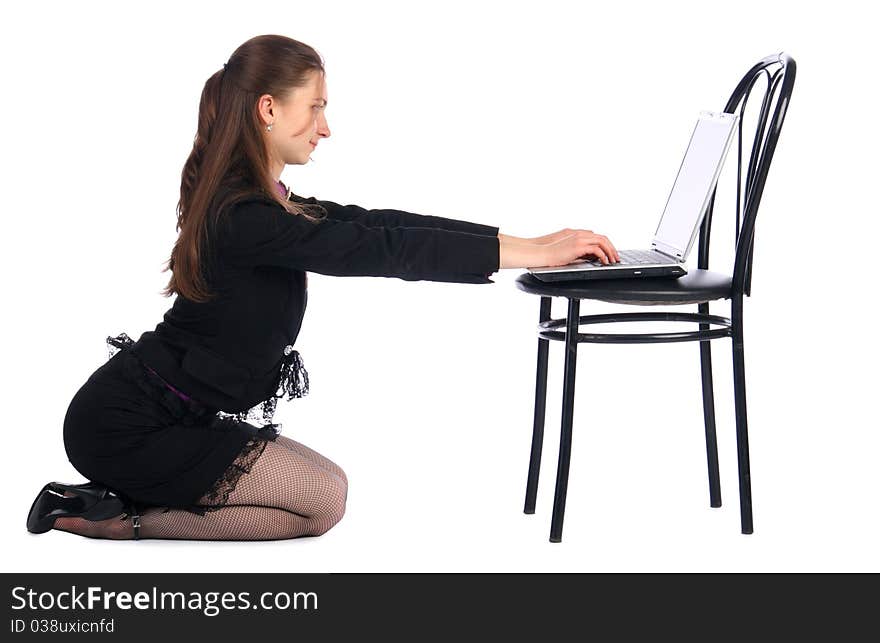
696, 287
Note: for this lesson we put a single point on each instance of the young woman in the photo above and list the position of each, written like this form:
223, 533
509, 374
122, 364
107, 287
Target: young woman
174, 431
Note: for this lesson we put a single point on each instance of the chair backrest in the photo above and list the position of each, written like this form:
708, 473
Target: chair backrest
760, 155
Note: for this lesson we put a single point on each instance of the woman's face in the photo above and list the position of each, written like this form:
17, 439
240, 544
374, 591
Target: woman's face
298, 123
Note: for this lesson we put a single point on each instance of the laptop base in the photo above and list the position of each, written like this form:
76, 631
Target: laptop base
591, 275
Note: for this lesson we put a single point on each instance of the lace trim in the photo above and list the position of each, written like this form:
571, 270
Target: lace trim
293, 381
218, 495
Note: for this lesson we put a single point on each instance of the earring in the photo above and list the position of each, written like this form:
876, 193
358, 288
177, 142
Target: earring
269, 127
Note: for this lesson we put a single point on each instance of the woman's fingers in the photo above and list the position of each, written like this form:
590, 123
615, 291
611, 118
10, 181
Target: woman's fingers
602, 241
613, 250
598, 252
606, 250
608, 247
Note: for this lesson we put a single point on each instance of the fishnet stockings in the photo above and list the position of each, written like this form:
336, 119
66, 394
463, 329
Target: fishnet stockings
291, 491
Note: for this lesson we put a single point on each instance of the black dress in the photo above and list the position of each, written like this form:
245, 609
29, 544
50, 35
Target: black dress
187, 409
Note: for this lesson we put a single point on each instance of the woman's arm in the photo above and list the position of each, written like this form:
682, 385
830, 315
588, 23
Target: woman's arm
264, 234
555, 249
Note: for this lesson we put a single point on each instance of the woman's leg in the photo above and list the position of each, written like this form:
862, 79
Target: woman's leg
284, 479
285, 495
314, 456
228, 523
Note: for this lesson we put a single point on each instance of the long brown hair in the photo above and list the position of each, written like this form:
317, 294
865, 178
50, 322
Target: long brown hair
229, 160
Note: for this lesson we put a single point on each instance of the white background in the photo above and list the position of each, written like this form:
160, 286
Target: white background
530, 117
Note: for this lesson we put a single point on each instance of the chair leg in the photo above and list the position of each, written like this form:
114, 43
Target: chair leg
709, 414
571, 344
742, 433
540, 407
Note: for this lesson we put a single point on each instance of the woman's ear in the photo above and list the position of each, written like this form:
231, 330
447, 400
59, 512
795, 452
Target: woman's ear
266, 108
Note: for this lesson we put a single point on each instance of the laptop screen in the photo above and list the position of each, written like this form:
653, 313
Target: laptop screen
696, 179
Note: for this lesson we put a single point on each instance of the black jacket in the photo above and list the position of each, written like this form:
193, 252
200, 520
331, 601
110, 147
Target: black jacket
228, 353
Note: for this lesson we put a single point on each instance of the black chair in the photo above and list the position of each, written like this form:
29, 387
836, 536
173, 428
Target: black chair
699, 287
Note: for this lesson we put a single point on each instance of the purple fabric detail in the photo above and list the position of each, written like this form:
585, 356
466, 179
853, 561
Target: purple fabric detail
185, 397
282, 189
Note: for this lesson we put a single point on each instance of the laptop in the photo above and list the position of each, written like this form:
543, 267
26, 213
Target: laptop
681, 219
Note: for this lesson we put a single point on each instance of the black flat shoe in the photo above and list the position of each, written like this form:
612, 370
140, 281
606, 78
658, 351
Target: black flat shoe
91, 501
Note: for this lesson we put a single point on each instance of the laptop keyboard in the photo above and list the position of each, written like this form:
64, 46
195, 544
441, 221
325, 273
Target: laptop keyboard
634, 258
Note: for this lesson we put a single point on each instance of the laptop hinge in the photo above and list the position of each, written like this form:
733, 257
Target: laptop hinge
669, 251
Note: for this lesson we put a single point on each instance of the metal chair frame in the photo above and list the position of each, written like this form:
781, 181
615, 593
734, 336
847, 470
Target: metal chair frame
782, 79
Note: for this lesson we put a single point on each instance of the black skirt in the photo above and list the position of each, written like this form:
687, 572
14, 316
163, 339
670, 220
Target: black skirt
127, 429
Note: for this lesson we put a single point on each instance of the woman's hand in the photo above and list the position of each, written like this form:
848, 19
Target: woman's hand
578, 244
556, 249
